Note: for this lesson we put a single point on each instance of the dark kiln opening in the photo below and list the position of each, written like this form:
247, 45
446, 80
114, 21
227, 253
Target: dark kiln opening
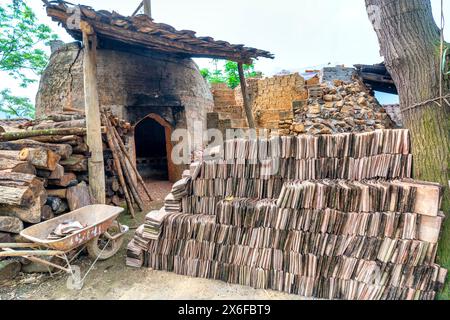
151, 149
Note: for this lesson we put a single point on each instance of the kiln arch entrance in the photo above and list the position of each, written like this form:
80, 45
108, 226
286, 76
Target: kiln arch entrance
153, 148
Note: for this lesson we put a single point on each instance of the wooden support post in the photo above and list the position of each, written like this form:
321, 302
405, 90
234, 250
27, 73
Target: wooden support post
93, 123
148, 7
247, 107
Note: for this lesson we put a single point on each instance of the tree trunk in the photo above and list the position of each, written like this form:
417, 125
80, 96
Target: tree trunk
410, 42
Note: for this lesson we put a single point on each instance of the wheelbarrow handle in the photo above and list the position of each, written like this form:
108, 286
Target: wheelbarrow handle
123, 230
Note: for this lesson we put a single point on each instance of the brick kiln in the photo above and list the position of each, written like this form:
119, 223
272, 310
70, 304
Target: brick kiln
145, 75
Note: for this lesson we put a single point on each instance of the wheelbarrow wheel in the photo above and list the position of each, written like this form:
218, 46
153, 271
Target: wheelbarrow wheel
96, 247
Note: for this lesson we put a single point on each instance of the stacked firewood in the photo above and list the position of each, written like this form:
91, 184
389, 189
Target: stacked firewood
44, 170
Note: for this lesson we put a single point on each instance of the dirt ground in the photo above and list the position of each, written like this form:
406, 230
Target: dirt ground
113, 280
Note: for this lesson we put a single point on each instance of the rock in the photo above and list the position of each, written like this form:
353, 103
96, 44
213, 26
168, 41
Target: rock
314, 109
340, 104
299, 128
9, 269
328, 98
11, 224
362, 101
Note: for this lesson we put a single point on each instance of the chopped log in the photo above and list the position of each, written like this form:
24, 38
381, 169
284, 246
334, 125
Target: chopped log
17, 166
132, 164
67, 180
60, 117
93, 116
59, 125
81, 148
78, 196
44, 174
60, 193
64, 150
109, 137
20, 180
40, 158
11, 225
69, 109
75, 162
47, 213
27, 214
58, 173
20, 196
9, 154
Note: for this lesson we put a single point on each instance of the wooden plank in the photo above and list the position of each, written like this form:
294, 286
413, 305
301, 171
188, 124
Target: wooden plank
93, 123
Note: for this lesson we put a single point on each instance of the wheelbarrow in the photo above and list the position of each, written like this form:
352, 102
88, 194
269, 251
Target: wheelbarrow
102, 237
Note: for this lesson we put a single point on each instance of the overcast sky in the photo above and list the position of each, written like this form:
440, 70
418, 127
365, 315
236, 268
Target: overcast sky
301, 33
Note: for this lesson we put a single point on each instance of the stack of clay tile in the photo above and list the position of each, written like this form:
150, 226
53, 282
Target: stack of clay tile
366, 233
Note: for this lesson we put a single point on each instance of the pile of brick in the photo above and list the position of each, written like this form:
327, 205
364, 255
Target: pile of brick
343, 107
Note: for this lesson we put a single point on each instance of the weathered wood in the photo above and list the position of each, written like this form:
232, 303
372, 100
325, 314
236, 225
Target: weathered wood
17, 166
60, 125
61, 117
132, 164
47, 213
112, 146
31, 214
60, 193
247, 107
9, 154
92, 110
70, 139
20, 196
81, 148
58, 173
76, 163
78, 196
41, 158
68, 179
63, 150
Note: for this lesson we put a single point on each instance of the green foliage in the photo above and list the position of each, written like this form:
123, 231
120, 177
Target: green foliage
19, 107
229, 74
21, 56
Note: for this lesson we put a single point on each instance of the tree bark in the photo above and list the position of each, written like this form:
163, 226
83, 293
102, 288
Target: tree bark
410, 41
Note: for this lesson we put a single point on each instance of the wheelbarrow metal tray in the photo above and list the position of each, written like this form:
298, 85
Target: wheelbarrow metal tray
98, 219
